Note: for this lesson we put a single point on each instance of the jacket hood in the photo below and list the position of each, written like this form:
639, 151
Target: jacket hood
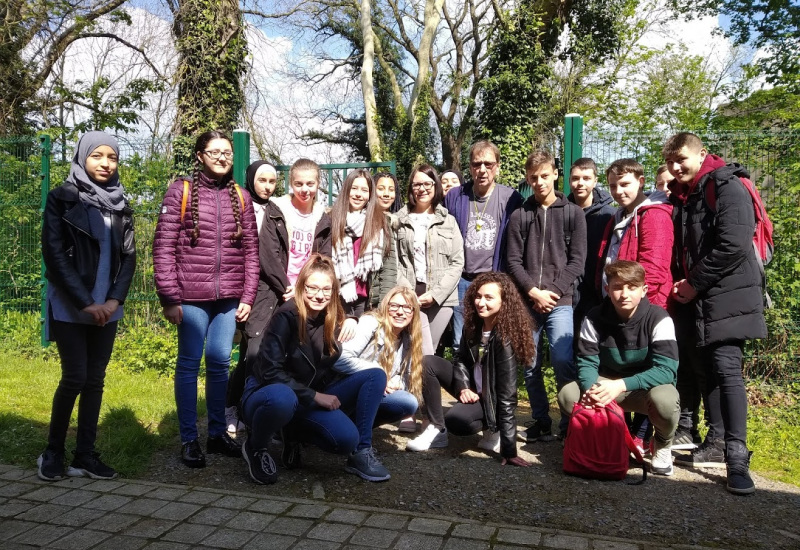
561, 201
600, 199
682, 191
402, 216
610, 313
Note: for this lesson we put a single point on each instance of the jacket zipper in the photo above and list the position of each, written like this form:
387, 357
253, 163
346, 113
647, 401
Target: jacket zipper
310, 362
217, 273
541, 257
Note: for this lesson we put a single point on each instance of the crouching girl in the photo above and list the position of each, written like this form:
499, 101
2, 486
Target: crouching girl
497, 337
294, 390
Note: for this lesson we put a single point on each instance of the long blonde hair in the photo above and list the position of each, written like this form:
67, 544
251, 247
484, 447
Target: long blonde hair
413, 356
334, 313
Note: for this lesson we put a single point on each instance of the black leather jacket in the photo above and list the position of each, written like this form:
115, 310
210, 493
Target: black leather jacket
282, 359
72, 254
499, 395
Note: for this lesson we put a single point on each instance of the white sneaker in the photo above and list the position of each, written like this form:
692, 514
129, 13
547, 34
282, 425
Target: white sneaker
232, 420
431, 438
490, 441
661, 463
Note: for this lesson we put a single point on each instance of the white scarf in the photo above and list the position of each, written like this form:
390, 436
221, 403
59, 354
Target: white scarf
370, 260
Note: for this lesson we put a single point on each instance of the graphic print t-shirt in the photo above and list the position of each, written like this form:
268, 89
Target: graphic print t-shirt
301, 241
479, 244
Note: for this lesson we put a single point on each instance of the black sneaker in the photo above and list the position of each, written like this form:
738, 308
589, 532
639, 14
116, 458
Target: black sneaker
223, 445
90, 465
291, 456
537, 430
738, 463
683, 440
51, 465
710, 454
366, 465
192, 455
262, 467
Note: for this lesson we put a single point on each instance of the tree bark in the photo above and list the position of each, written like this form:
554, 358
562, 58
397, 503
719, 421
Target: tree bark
432, 10
367, 86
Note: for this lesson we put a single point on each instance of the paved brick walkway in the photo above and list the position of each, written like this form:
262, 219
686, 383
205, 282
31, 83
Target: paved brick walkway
77, 514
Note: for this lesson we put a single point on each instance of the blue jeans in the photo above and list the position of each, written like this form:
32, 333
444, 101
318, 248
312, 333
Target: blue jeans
558, 326
269, 408
208, 325
458, 314
396, 406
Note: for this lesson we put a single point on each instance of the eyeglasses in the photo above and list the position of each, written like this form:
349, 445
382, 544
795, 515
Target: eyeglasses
477, 165
422, 185
394, 308
216, 153
315, 290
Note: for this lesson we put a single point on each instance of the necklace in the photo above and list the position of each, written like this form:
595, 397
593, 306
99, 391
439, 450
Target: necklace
479, 215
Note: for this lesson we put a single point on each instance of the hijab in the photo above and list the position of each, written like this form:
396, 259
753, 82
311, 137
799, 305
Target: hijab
250, 180
108, 196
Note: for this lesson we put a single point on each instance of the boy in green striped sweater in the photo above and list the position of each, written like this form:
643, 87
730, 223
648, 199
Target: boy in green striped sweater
627, 352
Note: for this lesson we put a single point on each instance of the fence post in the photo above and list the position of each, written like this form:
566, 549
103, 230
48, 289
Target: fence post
44, 175
241, 157
573, 144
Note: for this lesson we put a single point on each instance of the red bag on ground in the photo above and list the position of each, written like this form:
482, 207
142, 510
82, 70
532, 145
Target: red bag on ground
598, 443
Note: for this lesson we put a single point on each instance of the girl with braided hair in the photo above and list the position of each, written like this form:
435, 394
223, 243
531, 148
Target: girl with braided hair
205, 255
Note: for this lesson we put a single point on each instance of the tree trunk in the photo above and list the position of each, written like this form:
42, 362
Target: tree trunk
432, 10
367, 86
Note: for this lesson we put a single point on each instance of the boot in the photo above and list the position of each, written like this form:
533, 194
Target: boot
737, 459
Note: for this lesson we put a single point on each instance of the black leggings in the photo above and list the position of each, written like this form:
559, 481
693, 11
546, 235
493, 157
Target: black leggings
84, 351
462, 418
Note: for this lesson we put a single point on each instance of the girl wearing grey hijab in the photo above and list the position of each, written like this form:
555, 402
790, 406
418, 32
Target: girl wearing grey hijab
90, 257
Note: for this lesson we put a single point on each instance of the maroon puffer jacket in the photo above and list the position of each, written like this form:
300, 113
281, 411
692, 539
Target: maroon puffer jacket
216, 266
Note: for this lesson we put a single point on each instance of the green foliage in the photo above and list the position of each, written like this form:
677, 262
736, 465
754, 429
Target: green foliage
150, 347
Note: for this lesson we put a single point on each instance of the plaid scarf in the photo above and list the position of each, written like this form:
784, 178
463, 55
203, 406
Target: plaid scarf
347, 268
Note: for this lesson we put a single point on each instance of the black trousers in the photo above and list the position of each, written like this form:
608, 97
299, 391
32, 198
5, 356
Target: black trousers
84, 351
463, 418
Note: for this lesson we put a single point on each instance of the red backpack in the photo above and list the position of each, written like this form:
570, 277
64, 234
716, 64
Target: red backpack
598, 444
762, 235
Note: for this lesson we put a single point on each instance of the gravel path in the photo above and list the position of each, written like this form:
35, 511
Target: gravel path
691, 507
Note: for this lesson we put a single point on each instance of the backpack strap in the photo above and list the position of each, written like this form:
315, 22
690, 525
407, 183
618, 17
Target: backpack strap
184, 198
637, 456
569, 224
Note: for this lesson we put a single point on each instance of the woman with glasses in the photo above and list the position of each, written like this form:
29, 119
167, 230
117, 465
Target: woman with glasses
205, 255
430, 253
295, 390
498, 336
390, 338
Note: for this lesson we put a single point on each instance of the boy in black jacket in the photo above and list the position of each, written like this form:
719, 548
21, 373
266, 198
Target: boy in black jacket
546, 251
719, 292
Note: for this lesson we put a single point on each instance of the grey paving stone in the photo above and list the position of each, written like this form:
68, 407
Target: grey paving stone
316, 545
121, 542
250, 521
353, 517
312, 511
44, 512
473, 531
518, 536
199, 497
73, 482
162, 545
14, 473
6, 468
387, 521
614, 545
150, 528
567, 542
79, 540
77, 517
334, 532
142, 506
289, 526
264, 541
42, 535
113, 522
508, 547
108, 502
133, 490
228, 538
12, 507
46, 494
75, 497
176, 510
213, 516
104, 486
10, 528
269, 506
417, 541
167, 493
234, 502
427, 525
466, 544
373, 537
14, 489
189, 533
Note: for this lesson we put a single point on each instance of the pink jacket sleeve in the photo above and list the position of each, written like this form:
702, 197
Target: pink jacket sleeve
165, 245
250, 245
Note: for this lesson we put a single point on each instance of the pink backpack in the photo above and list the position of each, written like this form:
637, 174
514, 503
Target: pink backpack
598, 444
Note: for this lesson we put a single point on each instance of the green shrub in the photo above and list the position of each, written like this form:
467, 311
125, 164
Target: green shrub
146, 348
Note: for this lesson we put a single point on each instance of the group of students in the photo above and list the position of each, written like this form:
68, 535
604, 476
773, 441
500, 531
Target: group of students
342, 311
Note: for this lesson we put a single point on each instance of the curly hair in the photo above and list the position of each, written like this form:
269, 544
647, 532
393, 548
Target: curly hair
514, 323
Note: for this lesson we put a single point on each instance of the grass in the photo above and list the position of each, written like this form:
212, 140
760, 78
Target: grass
138, 415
